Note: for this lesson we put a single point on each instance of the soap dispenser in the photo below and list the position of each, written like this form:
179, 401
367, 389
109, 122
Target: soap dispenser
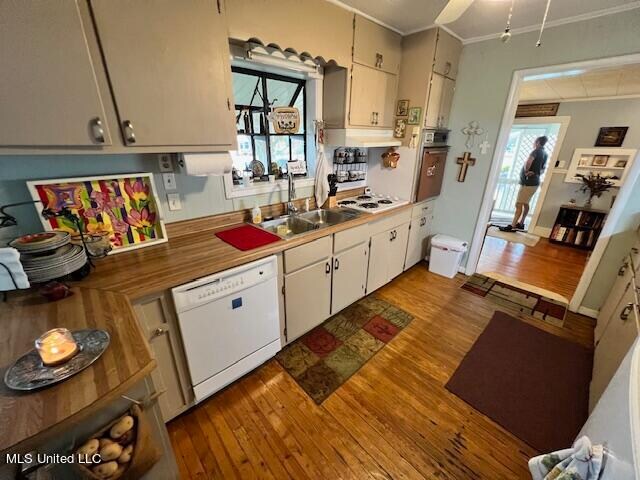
256, 214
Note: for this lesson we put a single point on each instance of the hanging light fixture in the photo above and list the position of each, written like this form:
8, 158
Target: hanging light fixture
506, 35
544, 20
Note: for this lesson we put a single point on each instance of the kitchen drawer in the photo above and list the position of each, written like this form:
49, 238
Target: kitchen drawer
387, 223
312, 252
350, 238
422, 209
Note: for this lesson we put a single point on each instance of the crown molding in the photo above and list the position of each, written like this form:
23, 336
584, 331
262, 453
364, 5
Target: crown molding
556, 23
365, 15
492, 36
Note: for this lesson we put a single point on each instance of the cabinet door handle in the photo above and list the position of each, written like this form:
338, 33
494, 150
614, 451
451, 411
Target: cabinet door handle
423, 221
129, 135
98, 131
373, 118
327, 268
623, 269
447, 68
336, 264
159, 332
378, 60
624, 314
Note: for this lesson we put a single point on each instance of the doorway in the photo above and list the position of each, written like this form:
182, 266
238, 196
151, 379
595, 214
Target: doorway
522, 137
553, 261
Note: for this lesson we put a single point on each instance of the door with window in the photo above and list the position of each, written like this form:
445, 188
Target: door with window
521, 143
262, 151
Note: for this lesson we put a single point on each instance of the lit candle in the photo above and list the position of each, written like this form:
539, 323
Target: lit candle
56, 346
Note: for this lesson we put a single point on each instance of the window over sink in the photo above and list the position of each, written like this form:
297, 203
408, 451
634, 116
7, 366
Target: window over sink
262, 151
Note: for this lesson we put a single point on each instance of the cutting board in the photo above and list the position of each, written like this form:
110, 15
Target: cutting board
247, 237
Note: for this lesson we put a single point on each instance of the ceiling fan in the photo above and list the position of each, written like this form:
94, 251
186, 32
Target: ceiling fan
452, 11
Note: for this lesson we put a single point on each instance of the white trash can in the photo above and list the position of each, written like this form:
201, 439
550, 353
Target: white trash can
446, 255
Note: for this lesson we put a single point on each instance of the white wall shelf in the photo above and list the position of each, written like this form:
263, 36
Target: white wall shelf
583, 159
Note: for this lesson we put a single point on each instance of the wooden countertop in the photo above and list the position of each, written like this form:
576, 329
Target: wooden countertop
186, 258
29, 418
103, 300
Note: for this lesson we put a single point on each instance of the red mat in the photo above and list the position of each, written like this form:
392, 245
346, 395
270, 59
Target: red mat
247, 237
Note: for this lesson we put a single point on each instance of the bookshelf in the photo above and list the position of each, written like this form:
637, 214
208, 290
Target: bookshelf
612, 162
577, 227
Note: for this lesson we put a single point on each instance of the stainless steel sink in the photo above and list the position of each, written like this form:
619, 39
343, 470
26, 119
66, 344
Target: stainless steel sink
326, 218
289, 226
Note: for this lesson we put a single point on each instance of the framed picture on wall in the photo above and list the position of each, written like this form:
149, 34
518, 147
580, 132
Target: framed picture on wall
402, 108
414, 116
599, 160
611, 136
124, 207
400, 128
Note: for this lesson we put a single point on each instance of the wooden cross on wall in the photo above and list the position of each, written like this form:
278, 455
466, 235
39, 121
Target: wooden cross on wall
464, 163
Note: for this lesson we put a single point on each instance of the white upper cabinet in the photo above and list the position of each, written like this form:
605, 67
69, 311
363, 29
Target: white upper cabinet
373, 94
448, 50
48, 90
168, 67
440, 100
376, 46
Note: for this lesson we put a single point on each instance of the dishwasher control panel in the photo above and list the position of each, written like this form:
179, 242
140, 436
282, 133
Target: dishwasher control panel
224, 283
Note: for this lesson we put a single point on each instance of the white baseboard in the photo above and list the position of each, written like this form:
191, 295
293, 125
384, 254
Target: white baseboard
542, 232
589, 312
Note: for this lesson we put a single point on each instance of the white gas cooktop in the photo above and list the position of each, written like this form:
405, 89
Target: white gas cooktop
372, 202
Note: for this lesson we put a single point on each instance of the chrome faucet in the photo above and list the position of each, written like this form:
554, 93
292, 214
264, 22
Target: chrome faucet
291, 208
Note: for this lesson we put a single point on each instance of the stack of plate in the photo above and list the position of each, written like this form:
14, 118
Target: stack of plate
49, 255
40, 242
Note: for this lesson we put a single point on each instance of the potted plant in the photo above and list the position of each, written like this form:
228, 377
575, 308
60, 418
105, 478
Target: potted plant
594, 185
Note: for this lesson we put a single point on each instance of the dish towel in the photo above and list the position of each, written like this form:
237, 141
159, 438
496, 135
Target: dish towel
10, 258
581, 462
323, 169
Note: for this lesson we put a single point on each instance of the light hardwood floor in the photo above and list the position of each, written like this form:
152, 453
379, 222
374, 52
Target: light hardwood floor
550, 266
392, 419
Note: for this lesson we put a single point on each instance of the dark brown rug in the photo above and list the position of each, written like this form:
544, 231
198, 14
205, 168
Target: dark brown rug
533, 383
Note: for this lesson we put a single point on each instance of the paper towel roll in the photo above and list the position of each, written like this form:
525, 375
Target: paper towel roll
201, 164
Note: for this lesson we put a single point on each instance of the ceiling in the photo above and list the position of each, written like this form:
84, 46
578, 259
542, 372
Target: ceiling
484, 17
576, 84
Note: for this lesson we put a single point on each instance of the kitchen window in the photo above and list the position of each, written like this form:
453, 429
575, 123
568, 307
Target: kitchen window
261, 151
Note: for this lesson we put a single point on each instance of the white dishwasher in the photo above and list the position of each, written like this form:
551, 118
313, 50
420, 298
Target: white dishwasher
230, 323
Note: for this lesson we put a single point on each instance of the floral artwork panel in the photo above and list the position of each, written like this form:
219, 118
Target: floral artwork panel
124, 207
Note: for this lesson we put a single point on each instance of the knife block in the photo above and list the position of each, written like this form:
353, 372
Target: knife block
330, 202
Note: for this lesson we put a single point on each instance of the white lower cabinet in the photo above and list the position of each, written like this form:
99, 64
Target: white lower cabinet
349, 276
327, 275
159, 323
307, 298
386, 256
418, 240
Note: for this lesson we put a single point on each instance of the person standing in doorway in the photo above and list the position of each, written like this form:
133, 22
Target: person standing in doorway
529, 183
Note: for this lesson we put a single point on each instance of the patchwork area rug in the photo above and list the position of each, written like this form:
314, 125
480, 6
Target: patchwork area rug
516, 300
328, 355
533, 383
